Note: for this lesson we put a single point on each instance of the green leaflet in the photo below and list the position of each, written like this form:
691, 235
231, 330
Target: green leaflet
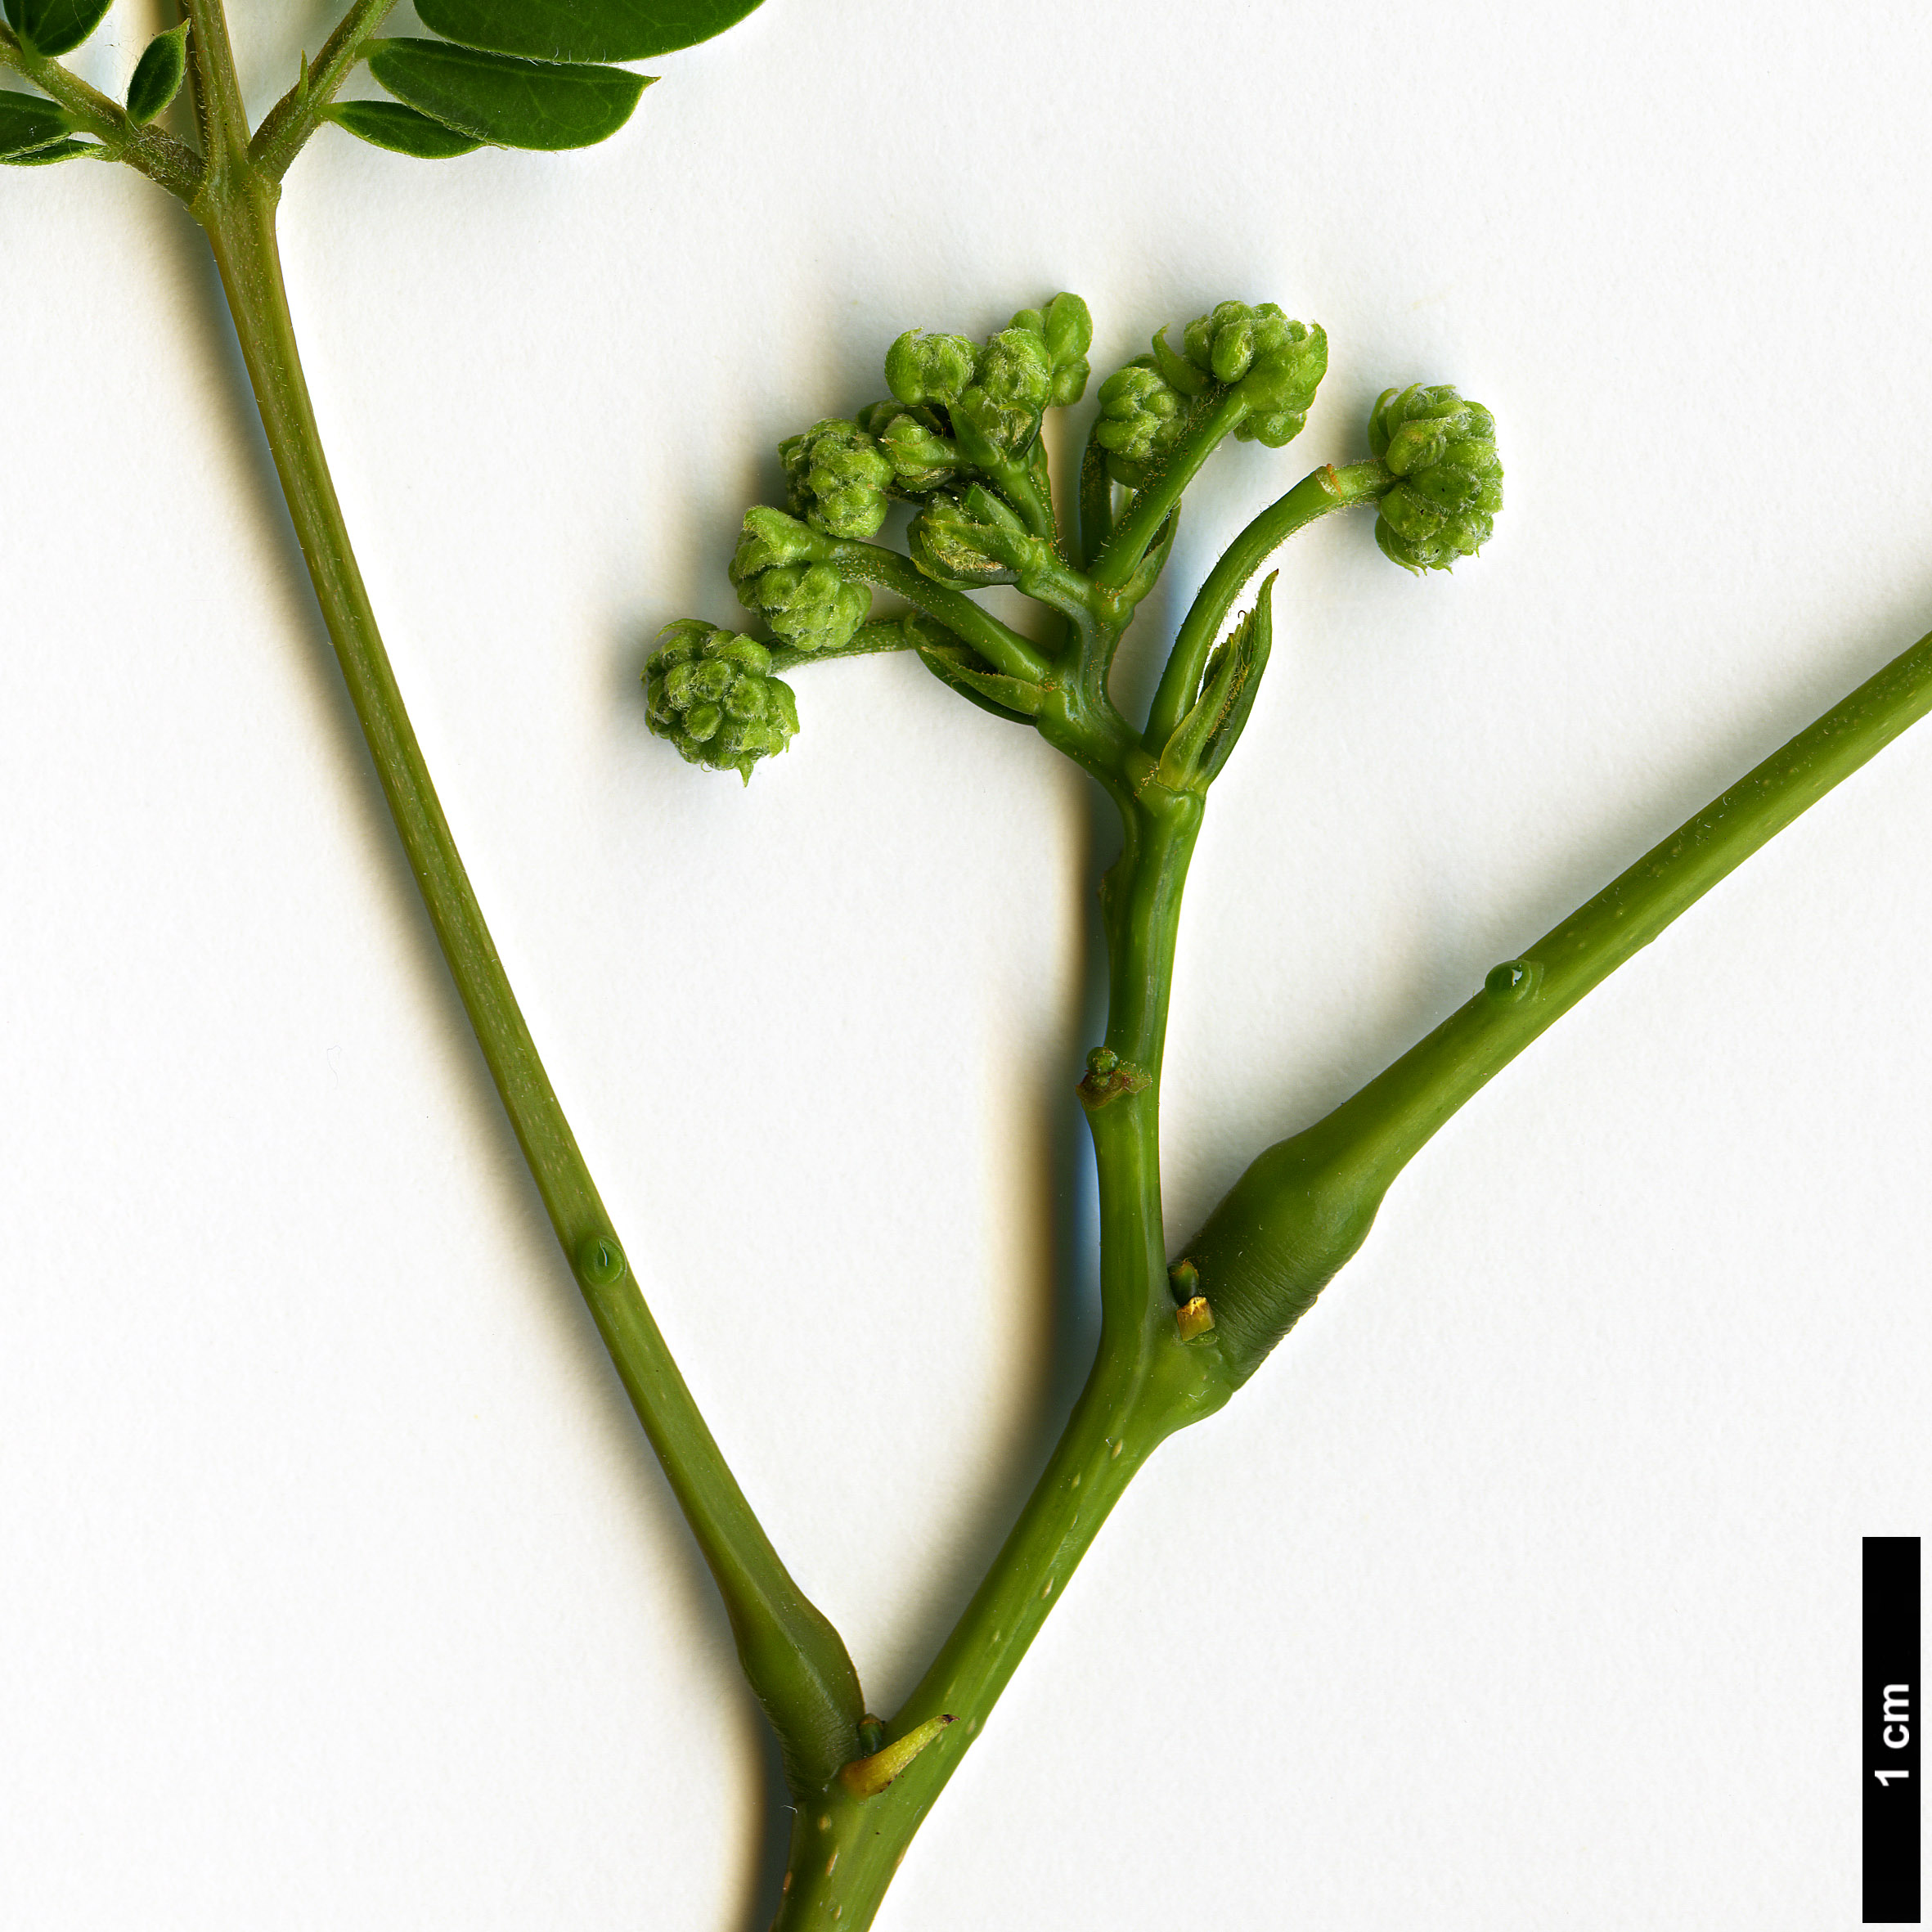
28, 123
402, 130
511, 103
54, 27
581, 30
158, 75
60, 150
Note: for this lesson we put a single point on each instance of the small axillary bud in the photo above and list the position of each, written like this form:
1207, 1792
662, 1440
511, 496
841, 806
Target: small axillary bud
1447, 487
1513, 982
867, 1776
1193, 1318
601, 1261
1107, 1077
1192, 1315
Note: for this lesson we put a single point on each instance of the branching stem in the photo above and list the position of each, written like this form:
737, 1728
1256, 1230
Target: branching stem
1322, 491
287, 125
1001, 645
159, 157
1146, 1383
1123, 549
1393, 1116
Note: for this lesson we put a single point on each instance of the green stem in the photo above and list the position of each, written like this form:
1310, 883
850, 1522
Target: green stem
1306, 1205
869, 640
1399, 1110
1138, 528
219, 115
1145, 1383
1095, 515
287, 125
795, 1661
1016, 483
1001, 645
1325, 489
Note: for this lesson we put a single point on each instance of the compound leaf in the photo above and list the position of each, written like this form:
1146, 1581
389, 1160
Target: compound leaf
158, 75
510, 103
53, 27
581, 30
402, 130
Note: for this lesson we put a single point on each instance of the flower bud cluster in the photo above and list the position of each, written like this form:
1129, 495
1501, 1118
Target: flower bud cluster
838, 478
986, 401
1441, 451
1274, 363
1143, 418
713, 696
783, 571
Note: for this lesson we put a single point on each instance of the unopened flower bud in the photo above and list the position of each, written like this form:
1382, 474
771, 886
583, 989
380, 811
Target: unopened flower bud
770, 537
1065, 333
838, 478
1141, 418
713, 696
809, 606
929, 368
1441, 451
1012, 383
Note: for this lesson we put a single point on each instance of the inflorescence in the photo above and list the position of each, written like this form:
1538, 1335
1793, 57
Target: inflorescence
960, 439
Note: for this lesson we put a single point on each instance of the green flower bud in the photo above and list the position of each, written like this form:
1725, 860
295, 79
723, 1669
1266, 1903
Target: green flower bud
838, 478
713, 696
1065, 333
809, 606
1449, 479
1141, 418
1069, 332
929, 368
1276, 363
770, 537
922, 460
1015, 371
1222, 345
1012, 384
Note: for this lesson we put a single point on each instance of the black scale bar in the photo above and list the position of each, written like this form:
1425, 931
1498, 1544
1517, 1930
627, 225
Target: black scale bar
1891, 1730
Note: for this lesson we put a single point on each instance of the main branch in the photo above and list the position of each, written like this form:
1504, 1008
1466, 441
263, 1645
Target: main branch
793, 1658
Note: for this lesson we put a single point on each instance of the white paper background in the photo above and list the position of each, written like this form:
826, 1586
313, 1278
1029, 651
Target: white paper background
337, 1587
